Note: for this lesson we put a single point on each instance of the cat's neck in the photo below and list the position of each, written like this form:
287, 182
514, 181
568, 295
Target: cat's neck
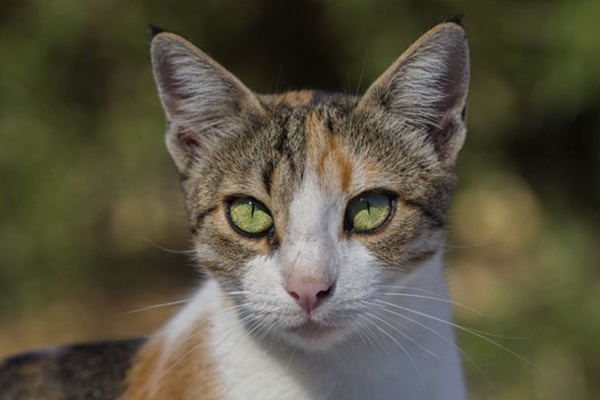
409, 354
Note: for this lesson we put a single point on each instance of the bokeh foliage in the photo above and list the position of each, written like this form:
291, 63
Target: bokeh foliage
89, 198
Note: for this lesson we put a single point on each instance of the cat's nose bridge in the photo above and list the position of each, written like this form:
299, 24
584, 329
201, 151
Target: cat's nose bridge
311, 254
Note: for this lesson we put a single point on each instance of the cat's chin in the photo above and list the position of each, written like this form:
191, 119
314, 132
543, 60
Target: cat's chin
316, 336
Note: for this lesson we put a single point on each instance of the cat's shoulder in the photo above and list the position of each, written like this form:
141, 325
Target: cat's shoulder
83, 371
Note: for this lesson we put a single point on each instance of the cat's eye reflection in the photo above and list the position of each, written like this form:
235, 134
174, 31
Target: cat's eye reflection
368, 211
250, 216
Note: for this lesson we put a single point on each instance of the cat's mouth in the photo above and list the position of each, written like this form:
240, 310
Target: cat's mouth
313, 330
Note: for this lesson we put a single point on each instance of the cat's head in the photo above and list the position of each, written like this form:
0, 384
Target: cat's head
305, 205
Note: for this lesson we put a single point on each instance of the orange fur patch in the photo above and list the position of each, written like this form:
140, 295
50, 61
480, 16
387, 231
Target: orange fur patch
292, 99
345, 169
186, 373
327, 149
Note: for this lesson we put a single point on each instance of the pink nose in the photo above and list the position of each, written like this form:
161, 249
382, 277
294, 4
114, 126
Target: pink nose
309, 293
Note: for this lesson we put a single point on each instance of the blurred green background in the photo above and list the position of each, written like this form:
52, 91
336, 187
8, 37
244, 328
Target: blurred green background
91, 221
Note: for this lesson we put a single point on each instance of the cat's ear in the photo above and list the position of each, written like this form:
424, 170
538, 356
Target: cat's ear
203, 102
426, 89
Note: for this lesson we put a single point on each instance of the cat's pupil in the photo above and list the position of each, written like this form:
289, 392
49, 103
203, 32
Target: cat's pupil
368, 212
249, 216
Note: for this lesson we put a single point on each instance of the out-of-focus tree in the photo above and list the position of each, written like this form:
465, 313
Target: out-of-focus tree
89, 199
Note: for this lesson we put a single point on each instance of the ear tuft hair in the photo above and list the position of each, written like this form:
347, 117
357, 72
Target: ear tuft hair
155, 30
457, 19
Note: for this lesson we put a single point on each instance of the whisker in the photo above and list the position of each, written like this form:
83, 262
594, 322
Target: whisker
246, 320
256, 327
152, 307
403, 334
267, 331
362, 71
264, 333
371, 334
405, 352
419, 296
287, 367
416, 289
172, 251
500, 336
180, 359
357, 327
430, 329
194, 333
381, 344
464, 329
278, 77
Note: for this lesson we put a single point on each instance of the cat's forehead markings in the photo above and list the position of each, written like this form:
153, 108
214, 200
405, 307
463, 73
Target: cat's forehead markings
294, 99
329, 155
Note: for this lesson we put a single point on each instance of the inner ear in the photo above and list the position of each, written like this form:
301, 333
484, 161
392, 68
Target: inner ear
425, 89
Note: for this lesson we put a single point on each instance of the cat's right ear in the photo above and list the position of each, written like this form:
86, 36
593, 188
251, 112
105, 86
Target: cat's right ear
203, 102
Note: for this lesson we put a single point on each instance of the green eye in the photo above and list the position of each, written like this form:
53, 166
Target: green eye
250, 216
368, 211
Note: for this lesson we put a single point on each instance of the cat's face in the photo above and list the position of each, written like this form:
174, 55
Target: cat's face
304, 206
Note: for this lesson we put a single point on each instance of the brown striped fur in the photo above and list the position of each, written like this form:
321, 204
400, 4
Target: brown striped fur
401, 137
81, 372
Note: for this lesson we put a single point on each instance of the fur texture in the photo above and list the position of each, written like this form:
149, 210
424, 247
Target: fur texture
312, 308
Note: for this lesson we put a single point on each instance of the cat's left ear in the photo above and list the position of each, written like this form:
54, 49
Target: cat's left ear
425, 90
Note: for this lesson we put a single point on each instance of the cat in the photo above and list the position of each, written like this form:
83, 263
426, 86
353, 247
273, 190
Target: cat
319, 220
